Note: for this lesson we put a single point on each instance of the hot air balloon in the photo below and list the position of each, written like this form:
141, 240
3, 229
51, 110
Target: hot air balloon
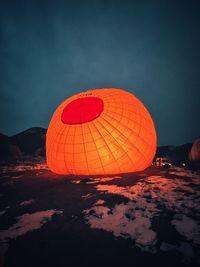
101, 131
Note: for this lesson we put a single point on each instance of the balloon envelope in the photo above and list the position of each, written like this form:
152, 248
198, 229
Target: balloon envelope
102, 131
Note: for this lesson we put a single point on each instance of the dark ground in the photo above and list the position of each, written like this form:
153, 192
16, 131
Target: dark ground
71, 239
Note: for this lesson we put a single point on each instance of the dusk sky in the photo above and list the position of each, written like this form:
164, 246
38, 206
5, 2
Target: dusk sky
50, 50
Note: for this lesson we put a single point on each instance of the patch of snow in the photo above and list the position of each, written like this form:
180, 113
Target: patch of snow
76, 181
92, 182
184, 173
99, 202
87, 195
74, 216
27, 202
175, 194
123, 221
147, 198
2, 212
26, 166
187, 227
28, 222
106, 179
96, 180
17, 177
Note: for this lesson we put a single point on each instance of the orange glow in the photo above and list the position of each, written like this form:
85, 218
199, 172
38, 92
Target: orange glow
102, 131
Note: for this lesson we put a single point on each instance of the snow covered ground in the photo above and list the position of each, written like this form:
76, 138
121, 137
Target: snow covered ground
153, 215
146, 200
26, 223
25, 166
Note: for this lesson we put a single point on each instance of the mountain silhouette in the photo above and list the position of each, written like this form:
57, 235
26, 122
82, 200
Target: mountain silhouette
27, 144
30, 144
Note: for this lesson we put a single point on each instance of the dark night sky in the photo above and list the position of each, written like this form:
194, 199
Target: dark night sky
50, 50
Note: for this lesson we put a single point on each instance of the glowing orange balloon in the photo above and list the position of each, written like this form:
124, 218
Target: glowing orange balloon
102, 131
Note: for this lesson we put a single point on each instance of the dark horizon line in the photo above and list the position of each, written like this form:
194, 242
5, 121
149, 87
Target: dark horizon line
37, 127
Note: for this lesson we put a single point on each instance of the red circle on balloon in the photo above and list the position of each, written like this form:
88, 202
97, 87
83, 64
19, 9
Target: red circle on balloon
82, 110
